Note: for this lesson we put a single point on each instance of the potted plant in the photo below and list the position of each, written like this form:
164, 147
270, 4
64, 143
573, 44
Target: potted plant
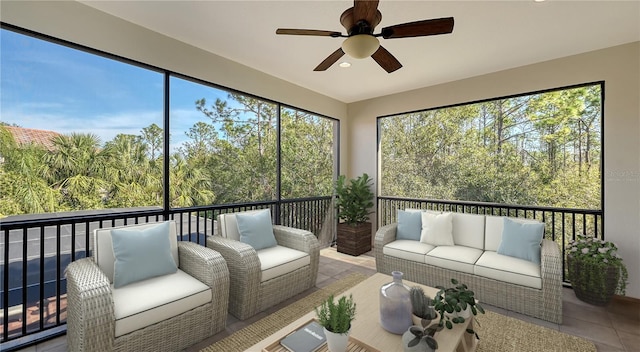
421, 306
336, 320
420, 336
454, 303
354, 199
596, 270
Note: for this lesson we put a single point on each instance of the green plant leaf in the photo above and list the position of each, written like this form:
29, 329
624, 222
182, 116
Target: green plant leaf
454, 281
449, 325
431, 342
414, 342
416, 331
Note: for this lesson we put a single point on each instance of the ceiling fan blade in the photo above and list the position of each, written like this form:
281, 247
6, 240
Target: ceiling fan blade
387, 61
419, 28
365, 10
290, 31
330, 60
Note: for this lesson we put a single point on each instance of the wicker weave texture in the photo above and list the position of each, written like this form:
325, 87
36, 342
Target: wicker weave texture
91, 321
247, 294
545, 303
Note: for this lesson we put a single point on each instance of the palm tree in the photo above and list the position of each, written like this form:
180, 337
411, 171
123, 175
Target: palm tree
23, 189
189, 185
134, 179
75, 169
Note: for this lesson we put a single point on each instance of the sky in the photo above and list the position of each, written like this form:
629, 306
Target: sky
52, 87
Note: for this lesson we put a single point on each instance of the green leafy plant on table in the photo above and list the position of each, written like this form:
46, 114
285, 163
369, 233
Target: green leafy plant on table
456, 299
596, 270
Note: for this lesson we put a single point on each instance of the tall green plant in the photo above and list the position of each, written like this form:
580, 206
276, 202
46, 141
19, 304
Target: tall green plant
354, 199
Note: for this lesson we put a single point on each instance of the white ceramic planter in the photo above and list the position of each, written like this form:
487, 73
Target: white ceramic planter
337, 342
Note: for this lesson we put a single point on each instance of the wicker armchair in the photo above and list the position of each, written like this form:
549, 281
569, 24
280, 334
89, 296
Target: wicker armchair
95, 307
254, 286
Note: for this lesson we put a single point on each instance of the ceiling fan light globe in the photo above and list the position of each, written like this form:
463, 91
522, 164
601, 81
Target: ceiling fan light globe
360, 46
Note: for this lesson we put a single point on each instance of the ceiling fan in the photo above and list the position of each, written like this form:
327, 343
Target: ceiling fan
360, 21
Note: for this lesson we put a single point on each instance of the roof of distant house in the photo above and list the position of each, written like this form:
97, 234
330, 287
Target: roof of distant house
24, 136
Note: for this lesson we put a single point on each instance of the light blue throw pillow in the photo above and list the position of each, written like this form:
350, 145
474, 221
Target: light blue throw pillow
141, 254
521, 240
255, 229
409, 225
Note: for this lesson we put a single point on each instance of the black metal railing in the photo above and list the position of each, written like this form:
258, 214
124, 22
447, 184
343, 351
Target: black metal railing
561, 224
36, 250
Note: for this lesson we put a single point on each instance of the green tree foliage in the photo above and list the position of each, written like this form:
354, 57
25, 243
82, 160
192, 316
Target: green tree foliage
541, 149
230, 156
307, 155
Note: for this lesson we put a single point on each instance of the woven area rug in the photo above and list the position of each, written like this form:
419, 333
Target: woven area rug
501, 333
498, 333
260, 330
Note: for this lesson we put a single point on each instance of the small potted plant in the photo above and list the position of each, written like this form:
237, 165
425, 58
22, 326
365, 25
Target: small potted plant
354, 199
596, 270
454, 303
421, 306
420, 336
336, 320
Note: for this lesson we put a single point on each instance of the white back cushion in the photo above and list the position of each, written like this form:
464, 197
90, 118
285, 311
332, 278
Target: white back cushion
468, 230
437, 230
228, 225
493, 230
103, 246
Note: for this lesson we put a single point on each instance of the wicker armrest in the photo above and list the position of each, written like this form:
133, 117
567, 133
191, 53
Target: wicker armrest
205, 264
298, 239
90, 315
241, 258
209, 267
551, 272
244, 274
385, 234
551, 260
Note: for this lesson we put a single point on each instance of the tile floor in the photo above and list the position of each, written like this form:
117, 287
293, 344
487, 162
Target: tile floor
614, 329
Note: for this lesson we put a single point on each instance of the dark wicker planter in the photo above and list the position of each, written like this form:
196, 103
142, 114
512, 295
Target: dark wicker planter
593, 283
354, 240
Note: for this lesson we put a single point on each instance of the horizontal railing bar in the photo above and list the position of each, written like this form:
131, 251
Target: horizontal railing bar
495, 205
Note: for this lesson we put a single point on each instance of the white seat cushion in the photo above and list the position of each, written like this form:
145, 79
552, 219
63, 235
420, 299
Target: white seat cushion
509, 269
147, 302
468, 230
407, 249
279, 260
458, 258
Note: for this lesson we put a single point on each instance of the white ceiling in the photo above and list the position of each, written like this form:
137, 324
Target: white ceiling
488, 36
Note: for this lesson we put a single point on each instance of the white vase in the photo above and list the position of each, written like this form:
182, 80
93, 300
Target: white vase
337, 342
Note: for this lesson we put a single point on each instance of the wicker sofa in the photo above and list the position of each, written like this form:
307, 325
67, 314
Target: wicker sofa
162, 313
503, 281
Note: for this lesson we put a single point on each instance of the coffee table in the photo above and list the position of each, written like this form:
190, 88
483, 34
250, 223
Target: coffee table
366, 327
